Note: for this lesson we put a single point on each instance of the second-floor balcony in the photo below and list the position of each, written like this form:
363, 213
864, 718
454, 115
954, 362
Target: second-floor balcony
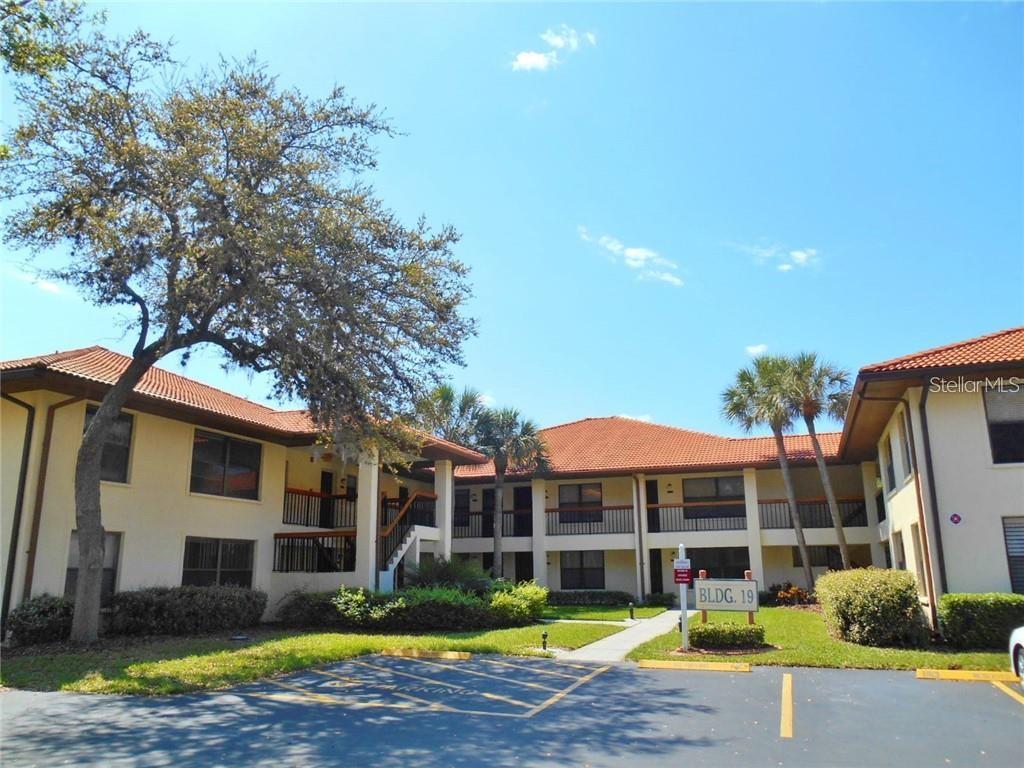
697, 516
587, 520
814, 513
318, 510
473, 525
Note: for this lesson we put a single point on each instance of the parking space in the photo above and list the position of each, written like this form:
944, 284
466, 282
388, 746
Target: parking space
494, 710
488, 687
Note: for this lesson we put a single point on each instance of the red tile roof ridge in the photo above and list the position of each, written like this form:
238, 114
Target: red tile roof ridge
907, 361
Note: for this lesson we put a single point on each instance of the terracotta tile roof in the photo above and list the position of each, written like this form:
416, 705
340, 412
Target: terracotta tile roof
101, 365
995, 348
617, 444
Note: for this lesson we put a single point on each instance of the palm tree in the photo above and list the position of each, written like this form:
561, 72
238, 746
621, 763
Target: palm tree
819, 388
451, 415
758, 398
511, 442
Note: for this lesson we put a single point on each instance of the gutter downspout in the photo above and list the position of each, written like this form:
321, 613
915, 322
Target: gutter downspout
19, 503
37, 506
933, 495
641, 560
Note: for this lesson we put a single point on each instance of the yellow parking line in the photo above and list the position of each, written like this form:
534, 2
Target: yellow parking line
421, 678
563, 693
296, 693
524, 668
702, 666
484, 674
414, 653
1009, 692
967, 676
786, 720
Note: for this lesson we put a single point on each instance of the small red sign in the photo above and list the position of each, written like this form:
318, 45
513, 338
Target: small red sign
683, 575
955, 519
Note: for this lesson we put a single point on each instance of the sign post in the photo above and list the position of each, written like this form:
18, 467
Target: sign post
683, 577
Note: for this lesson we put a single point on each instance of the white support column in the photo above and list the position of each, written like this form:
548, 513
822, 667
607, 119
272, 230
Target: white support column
868, 473
444, 487
753, 525
640, 537
540, 552
367, 523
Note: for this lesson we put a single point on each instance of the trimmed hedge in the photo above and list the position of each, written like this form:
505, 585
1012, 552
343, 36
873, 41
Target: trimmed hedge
982, 620
185, 610
43, 619
520, 604
308, 609
666, 599
873, 606
589, 597
726, 635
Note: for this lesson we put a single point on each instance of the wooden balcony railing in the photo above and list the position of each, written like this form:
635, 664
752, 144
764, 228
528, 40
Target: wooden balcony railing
814, 513
568, 521
312, 552
472, 525
318, 510
397, 517
697, 516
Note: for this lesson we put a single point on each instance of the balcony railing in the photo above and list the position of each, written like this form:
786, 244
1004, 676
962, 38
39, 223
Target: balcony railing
814, 513
397, 516
318, 510
332, 552
569, 521
697, 516
473, 525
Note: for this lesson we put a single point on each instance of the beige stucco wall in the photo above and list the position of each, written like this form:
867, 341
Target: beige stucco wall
846, 482
970, 485
619, 570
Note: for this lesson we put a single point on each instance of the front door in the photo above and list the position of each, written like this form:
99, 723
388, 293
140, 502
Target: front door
654, 556
522, 520
653, 515
524, 566
487, 518
326, 502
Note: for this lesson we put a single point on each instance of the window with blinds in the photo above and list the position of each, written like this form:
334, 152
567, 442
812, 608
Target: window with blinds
1013, 532
1004, 410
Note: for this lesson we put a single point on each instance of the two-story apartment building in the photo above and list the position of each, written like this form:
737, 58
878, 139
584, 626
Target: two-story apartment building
946, 427
203, 487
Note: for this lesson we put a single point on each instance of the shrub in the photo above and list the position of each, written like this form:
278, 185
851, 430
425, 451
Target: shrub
789, 594
308, 609
436, 608
360, 608
980, 620
666, 599
872, 606
459, 573
520, 604
726, 635
589, 597
42, 619
185, 610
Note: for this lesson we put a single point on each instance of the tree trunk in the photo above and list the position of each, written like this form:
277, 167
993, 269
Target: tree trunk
830, 495
794, 512
499, 504
85, 623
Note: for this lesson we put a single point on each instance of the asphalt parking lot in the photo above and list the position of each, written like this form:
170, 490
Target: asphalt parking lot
386, 711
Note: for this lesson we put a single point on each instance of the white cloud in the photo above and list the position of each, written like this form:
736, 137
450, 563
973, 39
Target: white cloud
534, 60
649, 264
782, 258
562, 39
487, 400
40, 283
640, 417
756, 349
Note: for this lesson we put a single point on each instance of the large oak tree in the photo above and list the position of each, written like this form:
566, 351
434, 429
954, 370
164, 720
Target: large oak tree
223, 209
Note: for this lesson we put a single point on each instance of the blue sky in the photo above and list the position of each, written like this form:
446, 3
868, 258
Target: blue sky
647, 193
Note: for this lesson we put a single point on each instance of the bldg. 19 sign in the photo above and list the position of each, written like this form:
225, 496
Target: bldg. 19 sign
726, 595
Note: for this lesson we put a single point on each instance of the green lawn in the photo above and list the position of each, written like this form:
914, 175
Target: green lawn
177, 665
600, 612
802, 641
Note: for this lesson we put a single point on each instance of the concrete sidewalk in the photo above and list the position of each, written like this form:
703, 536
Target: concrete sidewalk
616, 647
